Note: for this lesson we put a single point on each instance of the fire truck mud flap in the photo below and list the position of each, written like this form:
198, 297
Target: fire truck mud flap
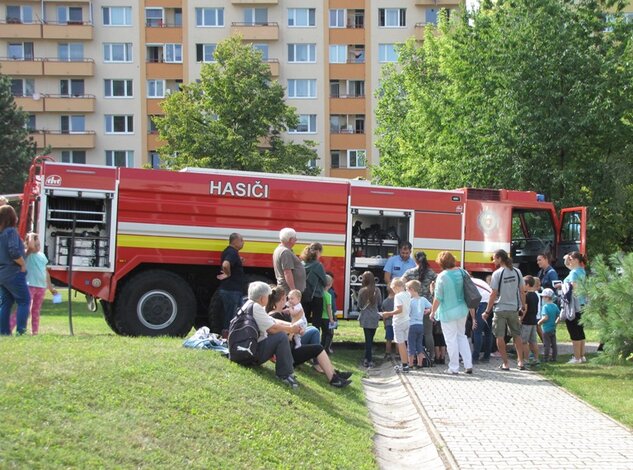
155, 303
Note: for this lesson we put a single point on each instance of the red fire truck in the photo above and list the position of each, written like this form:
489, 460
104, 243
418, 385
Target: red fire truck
147, 243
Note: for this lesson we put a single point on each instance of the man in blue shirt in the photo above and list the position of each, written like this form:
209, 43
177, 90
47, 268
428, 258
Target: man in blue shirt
547, 275
398, 264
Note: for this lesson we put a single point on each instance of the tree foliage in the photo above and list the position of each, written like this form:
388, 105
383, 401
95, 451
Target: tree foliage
16, 149
232, 118
521, 94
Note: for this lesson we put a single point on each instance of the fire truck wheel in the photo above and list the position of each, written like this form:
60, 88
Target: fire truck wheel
155, 303
108, 314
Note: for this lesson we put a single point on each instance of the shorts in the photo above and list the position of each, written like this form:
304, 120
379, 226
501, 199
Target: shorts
401, 333
389, 332
503, 319
575, 329
528, 334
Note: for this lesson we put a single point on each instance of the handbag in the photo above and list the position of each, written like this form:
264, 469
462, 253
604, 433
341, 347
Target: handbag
472, 297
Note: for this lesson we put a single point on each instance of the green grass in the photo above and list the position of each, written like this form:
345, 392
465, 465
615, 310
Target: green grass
100, 400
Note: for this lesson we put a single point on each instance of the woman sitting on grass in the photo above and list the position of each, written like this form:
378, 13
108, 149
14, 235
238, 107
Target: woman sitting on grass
306, 352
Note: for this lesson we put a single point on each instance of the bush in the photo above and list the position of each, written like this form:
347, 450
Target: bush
610, 306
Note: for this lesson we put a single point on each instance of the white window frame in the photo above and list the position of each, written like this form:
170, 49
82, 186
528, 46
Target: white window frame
108, 52
264, 49
339, 15
205, 52
218, 14
338, 53
28, 86
307, 122
128, 121
24, 18
66, 10
111, 156
76, 123
311, 88
71, 49
110, 82
127, 16
71, 156
295, 49
357, 157
384, 53
252, 12
293, 14
152, 84
161, 20
400, 13
175, 50
69, 85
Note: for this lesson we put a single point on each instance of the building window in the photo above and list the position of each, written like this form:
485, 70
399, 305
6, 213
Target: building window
124, 158
301, 53
119, 124
155, 88
20, 50
118, 88
204, 52
30, 123
117, 52
335, 159
117, 16
154, 17
387, 53
71, 87
22, 87
69, 15
263, 48
338, 54
154, 159
307, 125
301, 17
74, 156
356, 158
302, 88
70, 51
210, 17
256, 16
152, 128
19, 14
173, 53
73, 124
392, 17
337, 18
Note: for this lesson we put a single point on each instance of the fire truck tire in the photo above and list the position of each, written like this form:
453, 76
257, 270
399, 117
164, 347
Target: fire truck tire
108, 314
155, 303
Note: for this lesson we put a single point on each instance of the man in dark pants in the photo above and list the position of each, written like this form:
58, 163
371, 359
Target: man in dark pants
231, 280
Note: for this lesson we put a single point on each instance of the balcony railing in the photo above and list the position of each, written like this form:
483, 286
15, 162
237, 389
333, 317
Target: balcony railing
344, 96
345, 130
64, 139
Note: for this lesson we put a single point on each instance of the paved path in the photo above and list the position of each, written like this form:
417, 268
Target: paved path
493, 419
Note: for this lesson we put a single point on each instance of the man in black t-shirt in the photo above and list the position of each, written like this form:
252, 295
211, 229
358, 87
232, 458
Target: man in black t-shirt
231, 279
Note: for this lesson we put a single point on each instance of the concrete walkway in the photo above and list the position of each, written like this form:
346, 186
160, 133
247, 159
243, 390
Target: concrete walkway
492, 419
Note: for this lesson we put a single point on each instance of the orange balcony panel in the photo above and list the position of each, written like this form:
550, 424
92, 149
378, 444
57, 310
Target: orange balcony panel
29, 105
153, 142
153, 106
80, 68
274, 67
268, 32
347, 71
437, 3
351, 4
166, 34
85, 140
347, 105
68, 31
347, 35
163, 70
164, 3
20, 30
21, 67
349, 173
70, 104
348, 141
255, 2
38, 138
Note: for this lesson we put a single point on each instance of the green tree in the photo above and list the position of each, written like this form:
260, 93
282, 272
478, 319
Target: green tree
522, 94
16, 149
232, 118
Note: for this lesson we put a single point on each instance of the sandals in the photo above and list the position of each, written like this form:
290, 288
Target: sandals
501, 367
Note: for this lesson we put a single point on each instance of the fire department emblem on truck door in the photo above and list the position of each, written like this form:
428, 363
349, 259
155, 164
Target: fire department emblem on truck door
488, 221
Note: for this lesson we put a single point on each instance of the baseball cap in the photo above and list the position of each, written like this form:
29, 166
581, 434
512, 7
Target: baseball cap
548, 293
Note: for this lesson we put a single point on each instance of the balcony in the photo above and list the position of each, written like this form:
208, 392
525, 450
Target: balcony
437, 3
164, 3
256, 32
153, 106
255, 2
16, 30
29, 104
347, 35
348, 4
71, 30
15, 67
59, 139
75, 68
69, 104
347, 105
154, 142
346, 140
274, 66
349, 71
349, 173
167, 71
165, 33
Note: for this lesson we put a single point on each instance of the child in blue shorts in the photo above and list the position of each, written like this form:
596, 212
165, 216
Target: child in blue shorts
419, 305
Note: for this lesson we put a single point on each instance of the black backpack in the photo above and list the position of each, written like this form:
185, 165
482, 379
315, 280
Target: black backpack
243, 335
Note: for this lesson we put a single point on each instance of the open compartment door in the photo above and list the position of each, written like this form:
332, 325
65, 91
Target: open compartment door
572, 235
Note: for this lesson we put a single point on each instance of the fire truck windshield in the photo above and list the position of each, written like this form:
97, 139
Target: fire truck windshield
533, 232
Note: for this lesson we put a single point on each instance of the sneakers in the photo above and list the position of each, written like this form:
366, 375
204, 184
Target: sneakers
451, 372
368, 364
583, 359
495, 354
343, 374
469, 371
290, 381
339, 382
402, 369
573, 360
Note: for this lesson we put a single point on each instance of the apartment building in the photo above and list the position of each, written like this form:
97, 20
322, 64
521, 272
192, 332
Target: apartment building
92, 73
